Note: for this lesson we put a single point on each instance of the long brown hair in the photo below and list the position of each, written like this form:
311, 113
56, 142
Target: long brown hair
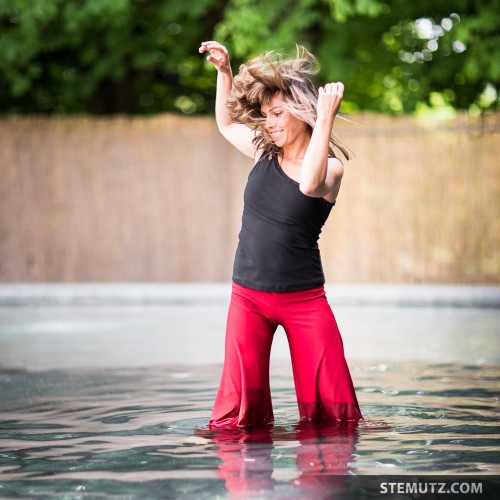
263, 77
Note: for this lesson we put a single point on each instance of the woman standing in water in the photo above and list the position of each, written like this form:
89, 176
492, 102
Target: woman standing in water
272, 113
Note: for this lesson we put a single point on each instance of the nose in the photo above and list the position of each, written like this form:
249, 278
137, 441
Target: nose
269, 121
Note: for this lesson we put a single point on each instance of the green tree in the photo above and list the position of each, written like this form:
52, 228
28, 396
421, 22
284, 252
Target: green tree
103, 56
140, 56
391, 55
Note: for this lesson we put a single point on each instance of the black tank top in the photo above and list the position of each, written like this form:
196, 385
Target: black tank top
278, 242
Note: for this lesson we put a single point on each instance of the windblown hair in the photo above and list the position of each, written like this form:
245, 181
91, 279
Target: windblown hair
266, 75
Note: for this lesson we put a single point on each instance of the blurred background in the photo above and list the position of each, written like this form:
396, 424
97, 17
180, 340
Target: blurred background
120, 207
112, 169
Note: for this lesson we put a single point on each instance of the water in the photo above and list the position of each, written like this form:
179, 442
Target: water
141, 433
107, 401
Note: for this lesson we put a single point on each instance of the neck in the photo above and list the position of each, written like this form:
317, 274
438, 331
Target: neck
288, 157
297, 150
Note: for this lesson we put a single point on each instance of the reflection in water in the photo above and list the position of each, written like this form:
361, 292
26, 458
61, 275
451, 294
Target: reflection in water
323, 457
246, 460
323, 453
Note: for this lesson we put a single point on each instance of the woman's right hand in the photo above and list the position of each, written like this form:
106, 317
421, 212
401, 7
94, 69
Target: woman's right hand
219, 55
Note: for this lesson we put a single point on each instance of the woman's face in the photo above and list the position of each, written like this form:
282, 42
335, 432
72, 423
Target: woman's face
283, 127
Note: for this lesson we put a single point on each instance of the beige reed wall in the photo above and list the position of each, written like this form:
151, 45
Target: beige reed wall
160, 199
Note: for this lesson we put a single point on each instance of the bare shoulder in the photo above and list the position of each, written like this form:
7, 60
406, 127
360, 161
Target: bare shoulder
335, 167
334, 176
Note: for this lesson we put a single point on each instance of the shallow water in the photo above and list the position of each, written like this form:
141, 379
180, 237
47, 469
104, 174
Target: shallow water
141, 433
94, 402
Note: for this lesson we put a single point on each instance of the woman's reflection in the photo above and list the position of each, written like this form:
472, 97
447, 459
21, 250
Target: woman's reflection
322, 457
246, 455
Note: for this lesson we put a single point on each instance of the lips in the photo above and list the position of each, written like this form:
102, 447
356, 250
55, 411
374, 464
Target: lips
277, 134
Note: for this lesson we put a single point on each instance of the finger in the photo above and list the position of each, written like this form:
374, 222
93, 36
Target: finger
328, 88
217, 52
209, 42
203, 46
334, 88
211, 45
208, 46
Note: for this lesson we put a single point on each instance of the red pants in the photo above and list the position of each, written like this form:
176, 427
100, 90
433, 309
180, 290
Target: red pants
322, 380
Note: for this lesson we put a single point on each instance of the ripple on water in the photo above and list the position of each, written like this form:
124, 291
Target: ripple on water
142, 433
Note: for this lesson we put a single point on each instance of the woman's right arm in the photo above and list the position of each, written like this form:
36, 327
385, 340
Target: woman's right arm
239, 135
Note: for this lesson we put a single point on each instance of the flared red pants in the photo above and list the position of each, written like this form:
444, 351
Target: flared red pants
322, 380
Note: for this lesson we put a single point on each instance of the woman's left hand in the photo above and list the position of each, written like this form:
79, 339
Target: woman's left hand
329, 100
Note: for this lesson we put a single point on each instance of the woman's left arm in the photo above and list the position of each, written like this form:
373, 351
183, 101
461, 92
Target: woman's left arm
320, 175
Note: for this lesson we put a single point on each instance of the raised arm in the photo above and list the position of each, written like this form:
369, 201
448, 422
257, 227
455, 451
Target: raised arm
321, 175
239, 135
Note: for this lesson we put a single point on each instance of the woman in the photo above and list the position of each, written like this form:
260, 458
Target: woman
272, 113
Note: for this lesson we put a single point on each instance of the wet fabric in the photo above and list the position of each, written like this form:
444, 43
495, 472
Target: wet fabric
278, 242
322, 380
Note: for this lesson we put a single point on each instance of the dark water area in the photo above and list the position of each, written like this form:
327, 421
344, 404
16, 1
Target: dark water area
142, 433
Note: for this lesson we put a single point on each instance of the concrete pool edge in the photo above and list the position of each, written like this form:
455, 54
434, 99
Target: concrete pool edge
75, 294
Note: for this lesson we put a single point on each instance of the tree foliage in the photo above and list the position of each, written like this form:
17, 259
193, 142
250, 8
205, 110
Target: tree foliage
140, 56
103, 56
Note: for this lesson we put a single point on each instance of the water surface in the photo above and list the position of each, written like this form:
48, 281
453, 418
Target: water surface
95, 403
141, 433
